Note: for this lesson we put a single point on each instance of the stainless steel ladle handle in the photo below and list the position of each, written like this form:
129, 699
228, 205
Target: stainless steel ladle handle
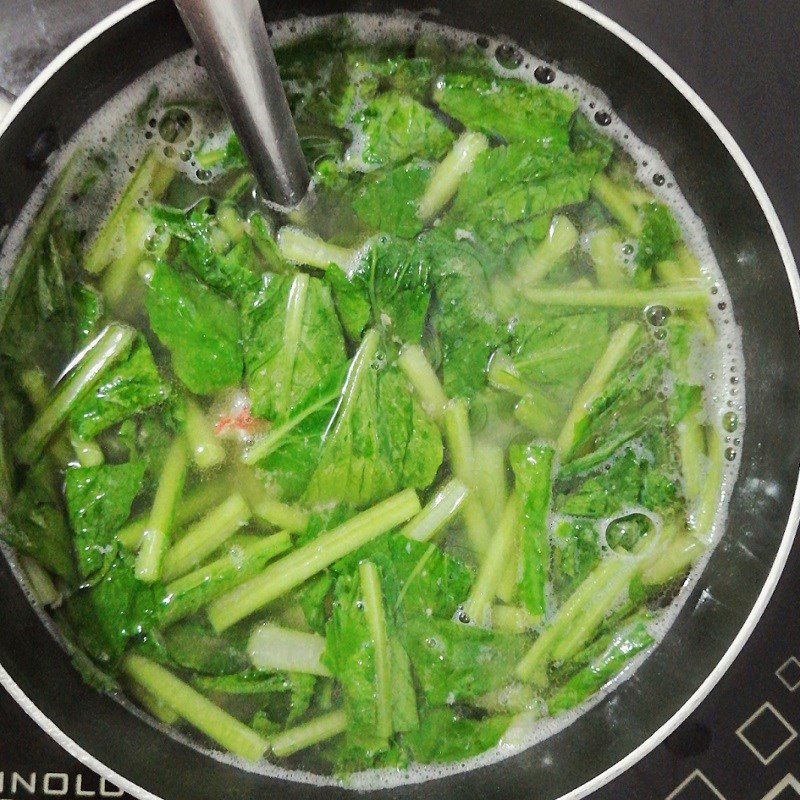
231, 39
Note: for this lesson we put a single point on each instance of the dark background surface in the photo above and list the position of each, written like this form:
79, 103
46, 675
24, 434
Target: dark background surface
743, 59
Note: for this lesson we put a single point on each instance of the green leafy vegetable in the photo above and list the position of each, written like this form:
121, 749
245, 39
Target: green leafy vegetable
395, 127
511, 109
378, 440
36, 523
99, 502
388, 200
292, 342
457, 662
198, 327
443, 735
131, 387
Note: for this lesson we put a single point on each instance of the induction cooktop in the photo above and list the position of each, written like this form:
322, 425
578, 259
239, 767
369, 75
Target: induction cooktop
742, 743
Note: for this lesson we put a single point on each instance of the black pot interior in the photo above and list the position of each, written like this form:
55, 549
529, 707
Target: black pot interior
760, 508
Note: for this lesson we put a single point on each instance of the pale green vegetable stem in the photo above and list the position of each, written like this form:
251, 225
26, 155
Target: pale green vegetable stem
310, 733
44, 590
205, 536
87, 451
197, 710
376, 622
490, 468
280, 577
423, 378
494, 564
618, 203
438, 512
280, 515
108, 348
292, 329
206, 450
692, 297
196, 590
300, 247
619, 345
513, 619
195, 503
155, 538
151, 176
447, 176
709, 497
604, 248
273, 648
462, 459
534, 266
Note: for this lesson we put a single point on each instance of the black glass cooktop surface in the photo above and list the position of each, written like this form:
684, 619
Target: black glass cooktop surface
742, 743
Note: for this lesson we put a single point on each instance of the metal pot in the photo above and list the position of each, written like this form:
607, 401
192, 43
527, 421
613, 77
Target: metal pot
734, 589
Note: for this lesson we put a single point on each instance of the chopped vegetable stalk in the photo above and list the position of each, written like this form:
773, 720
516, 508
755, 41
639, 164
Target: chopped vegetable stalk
513, 619
615, 571
84, 371
205, 536
691, 444
197, 710
462, 459
155, 538
376, 622
152, 704
509, 584
195, 503
494, 563
310, 733
671, 274
280, 515
619, 345
300, 247
192, 592
604, 248
117, 277
151, 177
674, 297
618, 203
678, 555
490, 467
621, 649
502, 374
690, 266
37, 235
534, 267
272, 648
539, 414
230, 222
444, 181
292, 329
533, 466
87, 451
289, 572
42, 586
438, 512
709, 497
589, 618
206, 451
423, 378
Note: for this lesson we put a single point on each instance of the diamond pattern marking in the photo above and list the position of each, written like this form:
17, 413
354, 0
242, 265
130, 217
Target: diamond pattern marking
766, 734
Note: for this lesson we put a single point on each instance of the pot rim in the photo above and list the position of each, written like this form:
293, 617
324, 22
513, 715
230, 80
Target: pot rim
787, 539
